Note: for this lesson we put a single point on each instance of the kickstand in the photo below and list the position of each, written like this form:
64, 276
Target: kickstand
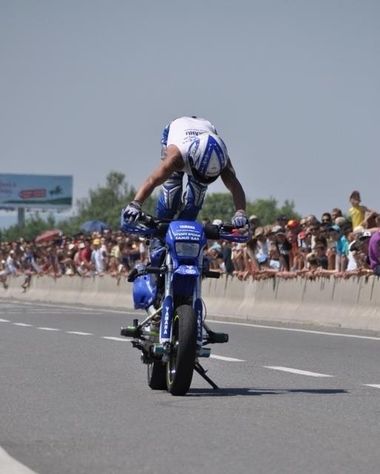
202, 372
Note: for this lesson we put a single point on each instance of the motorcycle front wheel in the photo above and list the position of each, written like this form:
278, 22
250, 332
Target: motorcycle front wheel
180, 366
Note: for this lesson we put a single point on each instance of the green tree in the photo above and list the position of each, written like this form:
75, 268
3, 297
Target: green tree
218, 206
34, 225
106, 201
267, 210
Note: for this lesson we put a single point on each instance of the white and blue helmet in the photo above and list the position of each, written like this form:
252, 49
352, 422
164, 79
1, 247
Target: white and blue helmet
208, 157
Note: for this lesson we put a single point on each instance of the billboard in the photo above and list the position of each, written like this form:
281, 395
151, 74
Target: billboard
35, 191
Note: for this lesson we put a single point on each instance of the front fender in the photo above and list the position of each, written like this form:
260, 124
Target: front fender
184, 279
187, 270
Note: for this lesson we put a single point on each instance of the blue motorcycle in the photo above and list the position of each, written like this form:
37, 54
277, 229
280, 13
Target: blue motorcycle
173, 336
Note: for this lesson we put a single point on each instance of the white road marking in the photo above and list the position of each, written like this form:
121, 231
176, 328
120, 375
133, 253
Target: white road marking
227, 359
4, 320
307, 331
44, 311
98, 310
79, 333
112, 338
48, 329
297, 371
9, 465
373, 385
23, 325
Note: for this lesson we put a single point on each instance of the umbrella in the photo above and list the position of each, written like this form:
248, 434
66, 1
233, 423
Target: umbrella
48, 235
94, 226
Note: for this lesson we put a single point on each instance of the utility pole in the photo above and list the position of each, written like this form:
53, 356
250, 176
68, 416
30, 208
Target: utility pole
21, 217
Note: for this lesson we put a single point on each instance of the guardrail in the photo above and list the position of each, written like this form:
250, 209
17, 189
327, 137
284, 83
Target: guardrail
352, 303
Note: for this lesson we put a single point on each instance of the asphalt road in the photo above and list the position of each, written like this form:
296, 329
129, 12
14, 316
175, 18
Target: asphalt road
74, 399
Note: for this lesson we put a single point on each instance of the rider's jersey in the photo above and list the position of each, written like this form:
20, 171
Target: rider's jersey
182, 131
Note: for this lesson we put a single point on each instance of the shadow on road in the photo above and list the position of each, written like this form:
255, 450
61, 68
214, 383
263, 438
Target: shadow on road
231, 392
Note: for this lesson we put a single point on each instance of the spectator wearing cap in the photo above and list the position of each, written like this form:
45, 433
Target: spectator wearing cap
304, 241
293, 225
257, 250
362, 258
215, 253
82, 257
279, 249
11, 264
341, 222
313, 229
98, 257
250, 257
358, 250
253, 222
332, 239
311, 219
293, 228
303, 223
284, 248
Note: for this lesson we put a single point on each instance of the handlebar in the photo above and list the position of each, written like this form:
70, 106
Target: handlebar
150, 226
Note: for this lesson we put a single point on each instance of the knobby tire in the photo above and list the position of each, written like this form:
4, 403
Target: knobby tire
180, 367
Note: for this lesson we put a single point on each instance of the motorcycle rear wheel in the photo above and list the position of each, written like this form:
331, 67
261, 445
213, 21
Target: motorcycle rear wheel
180, 367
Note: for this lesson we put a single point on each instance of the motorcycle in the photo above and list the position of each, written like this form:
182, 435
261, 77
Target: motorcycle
173, 336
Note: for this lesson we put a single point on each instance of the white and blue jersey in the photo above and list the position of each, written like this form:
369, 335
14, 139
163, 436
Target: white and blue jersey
181, 133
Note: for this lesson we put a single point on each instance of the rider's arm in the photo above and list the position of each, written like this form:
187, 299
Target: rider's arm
234, 186
172, 162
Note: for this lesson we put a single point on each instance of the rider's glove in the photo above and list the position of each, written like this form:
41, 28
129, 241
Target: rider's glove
132, 212
240, 219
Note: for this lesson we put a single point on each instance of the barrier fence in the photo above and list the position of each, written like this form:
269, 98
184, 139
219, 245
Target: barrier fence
352, 303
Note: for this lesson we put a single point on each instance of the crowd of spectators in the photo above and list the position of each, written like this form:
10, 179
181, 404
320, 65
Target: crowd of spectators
332, 245
103, 253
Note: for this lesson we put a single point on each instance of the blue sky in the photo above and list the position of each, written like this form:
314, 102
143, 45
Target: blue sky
292, 86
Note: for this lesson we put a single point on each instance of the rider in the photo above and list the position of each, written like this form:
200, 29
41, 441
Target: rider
190, 146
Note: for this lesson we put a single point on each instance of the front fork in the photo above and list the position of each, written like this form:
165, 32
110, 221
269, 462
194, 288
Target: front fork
167, 315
